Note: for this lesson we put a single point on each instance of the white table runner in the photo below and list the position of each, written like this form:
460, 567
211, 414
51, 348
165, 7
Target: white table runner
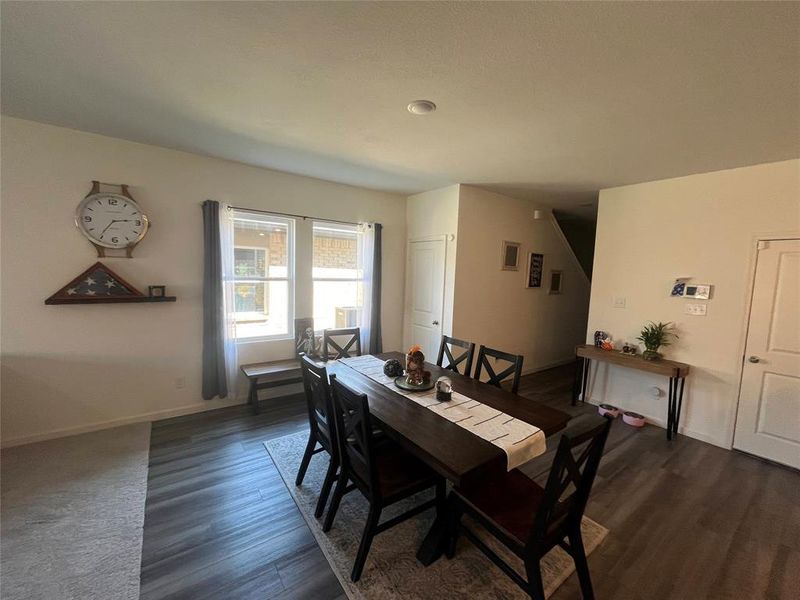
521, 441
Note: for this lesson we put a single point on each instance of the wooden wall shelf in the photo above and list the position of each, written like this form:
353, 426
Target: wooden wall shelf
117, 300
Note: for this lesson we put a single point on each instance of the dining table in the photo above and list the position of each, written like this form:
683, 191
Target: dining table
457, 454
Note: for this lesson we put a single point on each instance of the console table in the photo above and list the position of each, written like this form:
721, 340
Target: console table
267, 375
676, 371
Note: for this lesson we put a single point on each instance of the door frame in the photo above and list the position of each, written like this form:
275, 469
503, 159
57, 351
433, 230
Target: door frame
793, 234
442, 237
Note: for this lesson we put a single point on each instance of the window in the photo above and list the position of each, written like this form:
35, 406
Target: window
338, 276
263, 258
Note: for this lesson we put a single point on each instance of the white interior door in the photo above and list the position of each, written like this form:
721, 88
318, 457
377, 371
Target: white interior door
425, 296
768, 420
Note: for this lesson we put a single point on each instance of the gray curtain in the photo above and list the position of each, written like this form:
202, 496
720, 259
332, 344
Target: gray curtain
214, 373
375, 341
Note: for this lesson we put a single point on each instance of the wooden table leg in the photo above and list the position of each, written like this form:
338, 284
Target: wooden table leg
254, 395
435, 542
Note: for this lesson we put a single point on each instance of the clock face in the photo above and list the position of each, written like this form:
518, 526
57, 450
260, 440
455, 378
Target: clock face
111, 220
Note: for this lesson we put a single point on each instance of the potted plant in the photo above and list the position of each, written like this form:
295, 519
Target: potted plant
653, 336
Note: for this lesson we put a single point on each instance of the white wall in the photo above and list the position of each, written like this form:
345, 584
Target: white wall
72, 368
703, 226
493, 307
434, 214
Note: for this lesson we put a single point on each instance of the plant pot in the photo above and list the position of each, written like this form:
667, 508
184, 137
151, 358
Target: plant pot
651, 355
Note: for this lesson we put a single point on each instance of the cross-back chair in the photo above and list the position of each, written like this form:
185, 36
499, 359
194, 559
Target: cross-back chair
333, 347
322, 430
383, 472
445, 349
496, 379
529, 520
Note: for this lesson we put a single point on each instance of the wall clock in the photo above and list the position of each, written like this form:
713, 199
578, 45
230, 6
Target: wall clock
111, 220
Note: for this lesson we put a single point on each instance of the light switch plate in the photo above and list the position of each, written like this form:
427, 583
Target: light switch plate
698, 310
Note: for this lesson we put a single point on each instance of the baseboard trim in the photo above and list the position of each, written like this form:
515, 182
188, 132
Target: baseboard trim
141, 418
692, 433
545, 367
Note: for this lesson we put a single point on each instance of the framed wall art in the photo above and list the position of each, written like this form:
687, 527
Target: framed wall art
510, 256
556, 282
535, 266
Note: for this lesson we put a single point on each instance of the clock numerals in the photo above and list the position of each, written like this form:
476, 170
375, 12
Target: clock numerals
115, 221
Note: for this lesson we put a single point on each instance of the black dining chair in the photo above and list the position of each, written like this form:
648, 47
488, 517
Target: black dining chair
322, 430
341, 348
445, 349
496, 379
529, 520
384, 473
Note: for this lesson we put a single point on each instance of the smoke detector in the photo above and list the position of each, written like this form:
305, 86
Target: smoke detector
421, 107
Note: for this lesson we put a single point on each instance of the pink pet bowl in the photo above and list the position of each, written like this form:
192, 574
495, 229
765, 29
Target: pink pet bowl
607, 409
632, 418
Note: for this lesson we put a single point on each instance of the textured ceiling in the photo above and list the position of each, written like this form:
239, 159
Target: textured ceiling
546, 100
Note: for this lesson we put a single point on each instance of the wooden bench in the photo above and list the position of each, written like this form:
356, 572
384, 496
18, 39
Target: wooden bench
271, 374
676, 371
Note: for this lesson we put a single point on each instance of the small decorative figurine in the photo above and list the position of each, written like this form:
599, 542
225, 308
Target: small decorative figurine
444, 389
415, 367
629, 349
392, 368
599, 336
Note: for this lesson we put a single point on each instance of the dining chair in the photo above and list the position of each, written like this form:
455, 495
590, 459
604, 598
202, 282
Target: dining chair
384, 473
322, 430
445, 349
529, 520
495, 379
341, 349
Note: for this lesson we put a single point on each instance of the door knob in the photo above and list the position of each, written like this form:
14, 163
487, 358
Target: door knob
435, 323
754, 359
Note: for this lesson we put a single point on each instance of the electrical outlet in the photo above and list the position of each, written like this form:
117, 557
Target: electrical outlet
180, 383
619, 302
697, 310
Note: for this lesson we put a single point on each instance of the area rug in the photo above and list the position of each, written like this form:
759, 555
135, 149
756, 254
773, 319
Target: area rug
392, 570
72, 516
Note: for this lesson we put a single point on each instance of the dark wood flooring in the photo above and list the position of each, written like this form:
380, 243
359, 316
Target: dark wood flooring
688, 520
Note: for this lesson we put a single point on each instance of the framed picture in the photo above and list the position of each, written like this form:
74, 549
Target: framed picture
305, 342
510, 256
556, 281
535, 264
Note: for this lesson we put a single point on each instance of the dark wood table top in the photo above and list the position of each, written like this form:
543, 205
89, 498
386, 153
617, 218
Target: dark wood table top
662, 366
454, 452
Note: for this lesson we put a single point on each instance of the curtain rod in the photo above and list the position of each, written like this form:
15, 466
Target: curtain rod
281, 214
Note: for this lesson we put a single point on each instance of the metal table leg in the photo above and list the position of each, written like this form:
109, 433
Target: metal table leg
677, 414
586, 363
576, 381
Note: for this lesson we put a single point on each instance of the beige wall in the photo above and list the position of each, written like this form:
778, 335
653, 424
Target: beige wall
435, 214
493, 307
703, 226
72, 368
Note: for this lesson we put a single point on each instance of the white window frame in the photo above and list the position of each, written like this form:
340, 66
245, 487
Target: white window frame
261, 217
355, 230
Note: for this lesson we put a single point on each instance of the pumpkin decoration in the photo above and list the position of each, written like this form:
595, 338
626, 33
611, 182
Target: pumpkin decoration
392, 368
